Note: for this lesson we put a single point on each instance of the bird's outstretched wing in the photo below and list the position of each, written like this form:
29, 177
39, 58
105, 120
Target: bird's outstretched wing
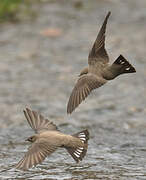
38, 122
82, 89
35, 155
98, 52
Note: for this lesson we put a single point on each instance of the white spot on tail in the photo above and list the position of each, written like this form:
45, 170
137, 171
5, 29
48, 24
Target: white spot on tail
79, 150
83, 139
127, 68
122, 62
82, 135
76, 155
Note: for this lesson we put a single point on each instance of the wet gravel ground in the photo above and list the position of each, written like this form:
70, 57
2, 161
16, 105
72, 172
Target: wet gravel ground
39, 70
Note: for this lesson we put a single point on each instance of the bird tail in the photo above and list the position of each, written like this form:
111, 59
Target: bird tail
79, 152
126, 67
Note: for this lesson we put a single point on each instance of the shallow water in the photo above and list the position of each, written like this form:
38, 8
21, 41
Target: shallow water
39, 71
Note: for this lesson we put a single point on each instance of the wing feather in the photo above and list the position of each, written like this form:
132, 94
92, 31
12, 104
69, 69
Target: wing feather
38, 122
35, 155
98, 52
82, 89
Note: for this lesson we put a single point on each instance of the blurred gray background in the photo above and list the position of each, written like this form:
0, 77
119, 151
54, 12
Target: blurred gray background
40, 60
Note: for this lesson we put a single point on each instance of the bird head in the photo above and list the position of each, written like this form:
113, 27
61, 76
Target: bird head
31, 139
84, 71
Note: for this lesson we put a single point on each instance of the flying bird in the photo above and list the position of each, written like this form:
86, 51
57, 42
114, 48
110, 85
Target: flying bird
47, 139
98, 71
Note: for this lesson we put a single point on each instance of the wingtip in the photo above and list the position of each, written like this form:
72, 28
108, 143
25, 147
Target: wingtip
69, 112
70, 109
108, 14
29, 110
26, 109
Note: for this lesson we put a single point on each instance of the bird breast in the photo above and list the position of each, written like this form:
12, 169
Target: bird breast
84, 71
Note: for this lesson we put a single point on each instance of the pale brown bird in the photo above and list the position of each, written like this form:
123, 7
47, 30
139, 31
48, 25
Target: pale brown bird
98, 72
47, 139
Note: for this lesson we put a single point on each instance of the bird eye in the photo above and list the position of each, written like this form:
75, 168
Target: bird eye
31, 138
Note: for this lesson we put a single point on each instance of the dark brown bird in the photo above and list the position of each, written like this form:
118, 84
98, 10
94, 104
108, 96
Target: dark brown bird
98, 72
47, 139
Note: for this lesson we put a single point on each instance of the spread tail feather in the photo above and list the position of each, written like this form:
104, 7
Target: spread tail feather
126, 67
79, 152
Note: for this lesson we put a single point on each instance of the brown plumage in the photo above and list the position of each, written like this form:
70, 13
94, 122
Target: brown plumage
47, 139
98, 72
